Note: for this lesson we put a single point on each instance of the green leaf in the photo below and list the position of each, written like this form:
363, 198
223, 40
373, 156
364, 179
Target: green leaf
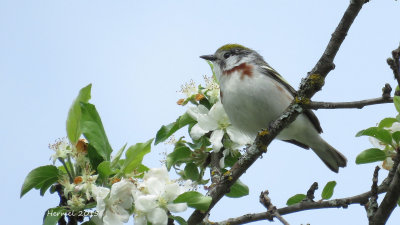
104, 169
396, 101
74, 115
370, 155
191, 171
195, 200
93, 130
166, 131
396, 137
52, 215
398, 202
46, 185
378, 133
387, 122
117, 156
90, 222
328, 190
178, 219
178, 155
94, 157
134, 156
38, 177
238, 190
295, 199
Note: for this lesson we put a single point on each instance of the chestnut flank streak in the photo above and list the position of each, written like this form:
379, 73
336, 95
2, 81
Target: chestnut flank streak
244, 69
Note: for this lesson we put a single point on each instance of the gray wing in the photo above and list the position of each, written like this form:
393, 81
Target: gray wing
268, 70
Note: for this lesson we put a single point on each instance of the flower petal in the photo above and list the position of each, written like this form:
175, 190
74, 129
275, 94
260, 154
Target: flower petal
216, 139
197, 132
140, 220
194, 112
218, 113
146, 203
177, 207
207, 122
237, 136
158, 216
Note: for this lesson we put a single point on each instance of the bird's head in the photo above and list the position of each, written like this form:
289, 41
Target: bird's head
231, 55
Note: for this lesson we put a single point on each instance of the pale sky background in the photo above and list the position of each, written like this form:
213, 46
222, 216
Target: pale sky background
138, 53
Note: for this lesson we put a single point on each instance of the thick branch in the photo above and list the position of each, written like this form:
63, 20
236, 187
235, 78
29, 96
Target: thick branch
373, 201
308, 88
349, 105
390, 200
394, 64
334, 203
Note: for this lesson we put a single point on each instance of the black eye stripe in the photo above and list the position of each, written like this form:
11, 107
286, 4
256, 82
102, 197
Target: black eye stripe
227, 55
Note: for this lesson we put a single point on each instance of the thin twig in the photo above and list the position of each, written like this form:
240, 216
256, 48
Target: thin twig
349, 105
311, 191
373, 203
394, 64
308, 88
302, 206
266, 202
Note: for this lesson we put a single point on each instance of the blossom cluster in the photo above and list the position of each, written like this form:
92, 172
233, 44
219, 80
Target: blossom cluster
148, 200
387, 148
211, 118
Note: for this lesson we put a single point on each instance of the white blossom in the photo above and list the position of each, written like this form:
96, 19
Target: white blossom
155, 196
217, 121
62, 149
114, 205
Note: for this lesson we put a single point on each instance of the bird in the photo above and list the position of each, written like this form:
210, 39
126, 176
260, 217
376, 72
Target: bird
253, 94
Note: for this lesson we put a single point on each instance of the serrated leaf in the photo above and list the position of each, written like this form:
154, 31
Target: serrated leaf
134, 156
295, 199
191, 171
93, 129
52, 215
238, 189
166, 131
378, 133
327, 192
38, 177
179, 154
74, 115
178, 219
387, 122
195, 200
370, 155
396, 101
116, 158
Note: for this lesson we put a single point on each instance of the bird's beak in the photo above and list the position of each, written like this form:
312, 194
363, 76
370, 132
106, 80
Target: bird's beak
209, 57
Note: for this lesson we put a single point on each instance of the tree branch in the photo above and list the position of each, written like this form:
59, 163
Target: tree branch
394, 64
389, 201
266, 202
349, 105
308, 88
302, 206
373, 203
311, 191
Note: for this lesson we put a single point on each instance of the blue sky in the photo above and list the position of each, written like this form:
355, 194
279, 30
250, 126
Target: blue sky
137, 54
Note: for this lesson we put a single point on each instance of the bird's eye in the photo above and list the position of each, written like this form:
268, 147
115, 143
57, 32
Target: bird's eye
226, 55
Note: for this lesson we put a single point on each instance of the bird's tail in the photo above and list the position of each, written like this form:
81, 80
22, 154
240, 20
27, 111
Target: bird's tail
332, 158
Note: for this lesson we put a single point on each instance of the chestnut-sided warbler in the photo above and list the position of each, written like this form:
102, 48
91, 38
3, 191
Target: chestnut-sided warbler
253, 94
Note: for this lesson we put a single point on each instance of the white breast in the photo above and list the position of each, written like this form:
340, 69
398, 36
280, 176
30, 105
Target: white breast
252, 101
